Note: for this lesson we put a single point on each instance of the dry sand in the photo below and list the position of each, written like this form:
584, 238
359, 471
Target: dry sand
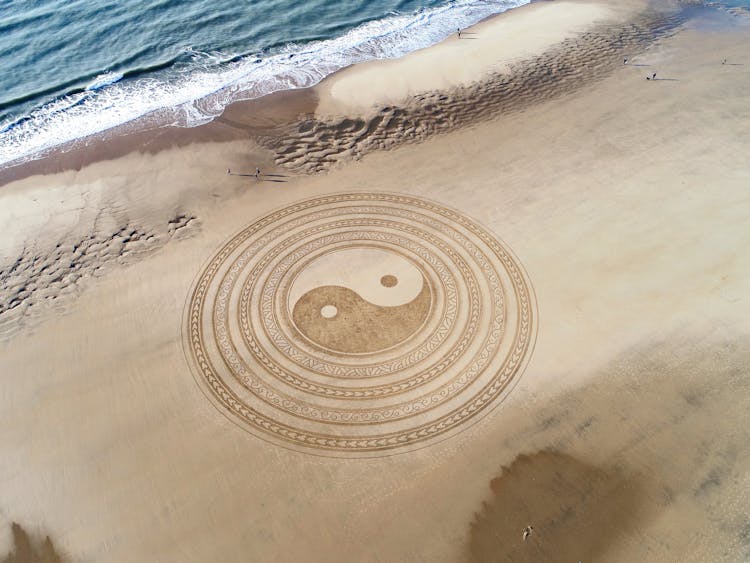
488, 47
626, 437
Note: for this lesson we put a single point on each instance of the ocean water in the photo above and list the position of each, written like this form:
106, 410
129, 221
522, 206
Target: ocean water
73, 68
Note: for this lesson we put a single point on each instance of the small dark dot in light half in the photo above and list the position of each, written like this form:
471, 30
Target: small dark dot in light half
388, 281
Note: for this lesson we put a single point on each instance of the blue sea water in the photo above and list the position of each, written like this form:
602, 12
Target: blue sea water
72, 68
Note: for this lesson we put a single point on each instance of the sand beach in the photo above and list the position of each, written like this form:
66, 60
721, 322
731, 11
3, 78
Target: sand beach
497, 285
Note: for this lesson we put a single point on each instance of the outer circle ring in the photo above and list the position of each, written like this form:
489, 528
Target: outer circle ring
426, 429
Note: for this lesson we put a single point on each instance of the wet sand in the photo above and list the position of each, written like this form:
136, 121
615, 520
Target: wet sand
625, 438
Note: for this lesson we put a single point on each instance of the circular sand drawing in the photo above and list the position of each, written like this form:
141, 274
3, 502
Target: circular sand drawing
359, 324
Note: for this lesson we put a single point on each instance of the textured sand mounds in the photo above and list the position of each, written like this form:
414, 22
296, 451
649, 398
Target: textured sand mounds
313, 145
734, 11
47, 277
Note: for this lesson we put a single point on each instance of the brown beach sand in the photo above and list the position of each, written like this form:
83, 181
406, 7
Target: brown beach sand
626, 437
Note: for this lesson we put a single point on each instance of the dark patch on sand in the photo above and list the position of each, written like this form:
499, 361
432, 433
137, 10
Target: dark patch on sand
585, 425
645, 463
27, 549
574, 509
550, 422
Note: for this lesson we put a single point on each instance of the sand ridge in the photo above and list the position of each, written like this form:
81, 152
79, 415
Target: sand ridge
486, 48
35, 279
320, 141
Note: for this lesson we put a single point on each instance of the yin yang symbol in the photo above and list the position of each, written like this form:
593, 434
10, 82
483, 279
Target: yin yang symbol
359, 300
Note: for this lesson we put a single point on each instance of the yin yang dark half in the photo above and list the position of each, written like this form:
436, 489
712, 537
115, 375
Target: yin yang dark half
340, 319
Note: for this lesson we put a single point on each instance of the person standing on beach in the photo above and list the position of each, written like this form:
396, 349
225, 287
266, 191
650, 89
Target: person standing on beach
459, 32
257, 173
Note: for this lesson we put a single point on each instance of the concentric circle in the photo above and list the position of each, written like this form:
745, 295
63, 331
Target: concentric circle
359, 324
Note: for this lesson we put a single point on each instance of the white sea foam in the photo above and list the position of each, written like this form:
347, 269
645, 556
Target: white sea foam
104, 79
201, 91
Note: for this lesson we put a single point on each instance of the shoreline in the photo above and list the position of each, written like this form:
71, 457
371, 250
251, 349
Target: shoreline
130, 138
314, 61
623, 200
275, 114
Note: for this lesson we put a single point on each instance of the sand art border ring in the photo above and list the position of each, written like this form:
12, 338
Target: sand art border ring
429, 346
326, 365
361, 415
350, 422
